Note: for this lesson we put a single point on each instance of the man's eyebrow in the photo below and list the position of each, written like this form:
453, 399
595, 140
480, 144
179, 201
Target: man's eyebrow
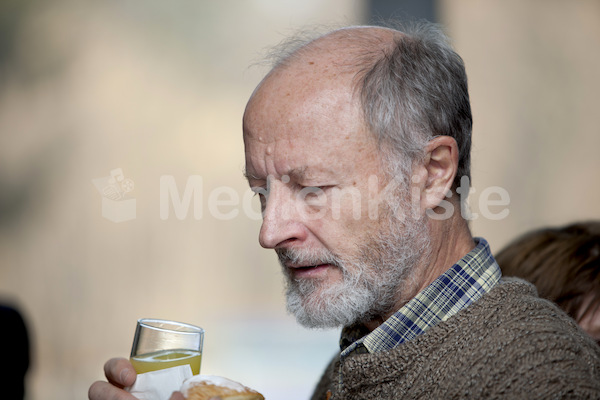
298, 173
309, 173
294, 173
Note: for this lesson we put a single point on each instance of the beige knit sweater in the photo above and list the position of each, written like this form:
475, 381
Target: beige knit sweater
510, 344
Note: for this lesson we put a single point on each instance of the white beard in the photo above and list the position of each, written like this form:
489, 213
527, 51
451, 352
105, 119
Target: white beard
372, 282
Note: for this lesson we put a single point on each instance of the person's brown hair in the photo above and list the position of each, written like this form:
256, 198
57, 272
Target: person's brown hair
563, 263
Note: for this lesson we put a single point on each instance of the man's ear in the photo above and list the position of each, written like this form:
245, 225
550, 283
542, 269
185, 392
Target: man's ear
440, 165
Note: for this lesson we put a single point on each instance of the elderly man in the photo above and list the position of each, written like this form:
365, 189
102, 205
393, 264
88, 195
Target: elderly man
356, 143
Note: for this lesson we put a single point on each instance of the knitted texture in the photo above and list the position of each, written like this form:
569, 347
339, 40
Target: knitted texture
510, 344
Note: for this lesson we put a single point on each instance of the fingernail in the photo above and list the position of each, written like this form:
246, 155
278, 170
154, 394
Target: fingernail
124, 375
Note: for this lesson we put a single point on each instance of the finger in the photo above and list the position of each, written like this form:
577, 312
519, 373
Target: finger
105, 391
177, 396
120, 372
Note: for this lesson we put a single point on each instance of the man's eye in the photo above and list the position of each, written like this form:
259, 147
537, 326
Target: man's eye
258, 190
316, 189
263, 201
262, 193
313, 194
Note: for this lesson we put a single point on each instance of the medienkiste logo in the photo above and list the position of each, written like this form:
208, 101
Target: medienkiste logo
118, 204
308, 203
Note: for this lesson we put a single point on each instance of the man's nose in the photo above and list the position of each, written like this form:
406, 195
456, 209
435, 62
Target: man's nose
281, 218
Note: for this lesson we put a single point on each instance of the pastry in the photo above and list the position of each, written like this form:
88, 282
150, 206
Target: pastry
205, 387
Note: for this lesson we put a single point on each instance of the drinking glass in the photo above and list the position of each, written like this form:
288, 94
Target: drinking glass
160, 344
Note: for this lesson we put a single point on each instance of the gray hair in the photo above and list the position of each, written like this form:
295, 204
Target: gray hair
413, 90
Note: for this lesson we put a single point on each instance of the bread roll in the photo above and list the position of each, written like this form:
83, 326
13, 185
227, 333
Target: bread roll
205, 387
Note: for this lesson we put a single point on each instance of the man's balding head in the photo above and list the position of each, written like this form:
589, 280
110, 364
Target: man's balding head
411, 84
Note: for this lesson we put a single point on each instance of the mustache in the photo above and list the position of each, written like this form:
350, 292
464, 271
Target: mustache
307, 257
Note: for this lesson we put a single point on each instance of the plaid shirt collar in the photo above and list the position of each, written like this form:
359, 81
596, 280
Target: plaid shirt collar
465, 282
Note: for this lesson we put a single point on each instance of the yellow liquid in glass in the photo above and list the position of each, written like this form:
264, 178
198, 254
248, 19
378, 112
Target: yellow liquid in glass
167, 359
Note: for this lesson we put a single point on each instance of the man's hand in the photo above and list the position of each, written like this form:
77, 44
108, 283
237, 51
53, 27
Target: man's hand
119, 373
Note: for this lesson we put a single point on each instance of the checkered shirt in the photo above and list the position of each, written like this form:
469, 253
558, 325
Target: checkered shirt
465, 282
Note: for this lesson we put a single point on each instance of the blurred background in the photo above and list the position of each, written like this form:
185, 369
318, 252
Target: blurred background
158, 88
